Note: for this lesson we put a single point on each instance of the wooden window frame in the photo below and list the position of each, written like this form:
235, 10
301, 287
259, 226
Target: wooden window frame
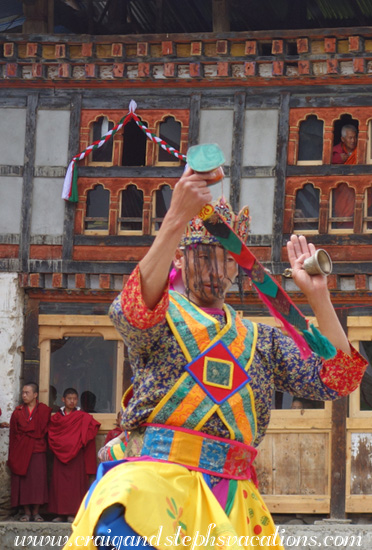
55, 327
132, 219
97, 232
153, 220
176, 162
309, 162
317, 162
366, 218
359, 329
92, 162
305, 231
369, 143
304, 220
339, 219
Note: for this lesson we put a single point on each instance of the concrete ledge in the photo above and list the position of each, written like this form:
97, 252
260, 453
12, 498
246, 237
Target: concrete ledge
327, 536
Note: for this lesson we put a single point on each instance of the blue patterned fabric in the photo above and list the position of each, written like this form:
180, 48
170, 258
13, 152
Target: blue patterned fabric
158, 362
215, 455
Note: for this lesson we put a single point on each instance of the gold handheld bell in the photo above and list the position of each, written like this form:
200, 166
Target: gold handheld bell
318, 264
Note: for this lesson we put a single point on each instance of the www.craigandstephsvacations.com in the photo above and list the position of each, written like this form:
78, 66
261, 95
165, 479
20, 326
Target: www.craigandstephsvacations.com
198, 540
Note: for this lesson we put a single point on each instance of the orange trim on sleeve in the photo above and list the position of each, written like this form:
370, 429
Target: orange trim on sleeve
135, 309
343, 373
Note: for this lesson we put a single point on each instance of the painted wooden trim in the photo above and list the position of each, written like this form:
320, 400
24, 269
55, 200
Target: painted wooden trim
297, 504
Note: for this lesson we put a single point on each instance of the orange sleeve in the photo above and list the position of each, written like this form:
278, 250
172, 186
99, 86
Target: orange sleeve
135, 309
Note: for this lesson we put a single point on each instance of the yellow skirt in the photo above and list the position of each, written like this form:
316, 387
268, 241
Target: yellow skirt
173, 506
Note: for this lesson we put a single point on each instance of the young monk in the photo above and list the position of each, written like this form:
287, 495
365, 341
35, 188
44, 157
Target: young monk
27, 453
203, 386
71, 435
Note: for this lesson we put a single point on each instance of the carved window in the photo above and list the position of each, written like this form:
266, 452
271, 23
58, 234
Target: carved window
287, 401
306, 214
342, 208
367, 225
86, 352
134, 145
103, 154
369, 143
160, 206
170, 132
97, 212
365, 394
131, 210
310, 145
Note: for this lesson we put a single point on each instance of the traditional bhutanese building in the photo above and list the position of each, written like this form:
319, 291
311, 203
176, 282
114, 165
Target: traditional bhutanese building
275, 101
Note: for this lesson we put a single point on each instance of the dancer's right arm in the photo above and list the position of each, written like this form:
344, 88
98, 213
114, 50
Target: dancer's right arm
189, 196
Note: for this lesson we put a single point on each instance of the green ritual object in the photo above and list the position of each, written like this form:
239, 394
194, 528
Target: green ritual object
205, 157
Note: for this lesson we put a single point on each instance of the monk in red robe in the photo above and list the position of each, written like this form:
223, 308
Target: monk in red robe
71, 436
346, 151
27, 453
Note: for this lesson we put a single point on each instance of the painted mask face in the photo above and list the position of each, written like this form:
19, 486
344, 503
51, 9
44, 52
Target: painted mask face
208, 272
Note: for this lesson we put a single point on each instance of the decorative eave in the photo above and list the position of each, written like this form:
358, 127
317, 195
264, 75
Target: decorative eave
256, 58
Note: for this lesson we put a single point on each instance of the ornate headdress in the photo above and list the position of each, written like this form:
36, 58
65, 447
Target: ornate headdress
196, 233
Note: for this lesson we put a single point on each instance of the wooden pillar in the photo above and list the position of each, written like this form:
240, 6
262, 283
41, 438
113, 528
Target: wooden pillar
221, 19
37, 16
280, 170
73, 149
338, 447
28, 180
159, 16
237, 149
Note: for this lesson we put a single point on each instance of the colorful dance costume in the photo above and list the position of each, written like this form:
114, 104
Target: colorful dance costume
203, 388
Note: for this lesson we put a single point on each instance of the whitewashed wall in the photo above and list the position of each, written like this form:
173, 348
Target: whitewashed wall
52, 133
11, 338
260, 137
12, 137
216, 126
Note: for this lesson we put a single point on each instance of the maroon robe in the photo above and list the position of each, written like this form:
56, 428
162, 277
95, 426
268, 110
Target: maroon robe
112, 434
71, 438
27, 455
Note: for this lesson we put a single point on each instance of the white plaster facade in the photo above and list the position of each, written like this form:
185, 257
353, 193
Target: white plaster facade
11, 339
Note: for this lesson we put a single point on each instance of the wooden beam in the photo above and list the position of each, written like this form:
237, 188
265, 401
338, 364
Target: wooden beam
195, 106
237, 150
36, 14
279, 196
28, 175
221, 16
73, 149
159, 16
50, 20
338, 446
